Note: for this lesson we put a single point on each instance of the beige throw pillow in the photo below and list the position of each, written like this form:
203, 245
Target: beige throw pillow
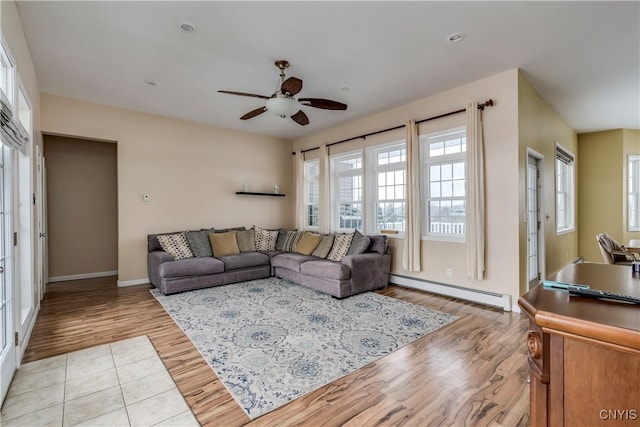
224, 244
246, 240
324, 247
308, 243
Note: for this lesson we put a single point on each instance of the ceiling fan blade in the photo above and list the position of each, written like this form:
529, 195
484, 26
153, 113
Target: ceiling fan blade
300, 118
325, 104
292, 85
253, 113
253, 95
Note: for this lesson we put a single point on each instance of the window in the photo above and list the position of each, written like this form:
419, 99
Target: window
347, 191
311, 193
388, 176
444, 176
24, 110
7, 75
633, 202
565, 197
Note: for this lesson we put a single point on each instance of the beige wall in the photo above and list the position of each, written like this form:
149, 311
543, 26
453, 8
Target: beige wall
501, 152
82, 198
191, 171
602, 173
539, 128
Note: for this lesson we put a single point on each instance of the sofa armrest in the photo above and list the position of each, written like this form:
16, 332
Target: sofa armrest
368, 271
154, 260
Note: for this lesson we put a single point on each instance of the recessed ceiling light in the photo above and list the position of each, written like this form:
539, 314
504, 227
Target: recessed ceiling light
187, 28
151, 82
455, 37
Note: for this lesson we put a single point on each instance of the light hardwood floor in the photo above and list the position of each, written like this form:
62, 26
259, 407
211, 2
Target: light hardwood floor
472, 372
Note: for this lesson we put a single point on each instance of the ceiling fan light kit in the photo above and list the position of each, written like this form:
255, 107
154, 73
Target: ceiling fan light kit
282, 106
283, 102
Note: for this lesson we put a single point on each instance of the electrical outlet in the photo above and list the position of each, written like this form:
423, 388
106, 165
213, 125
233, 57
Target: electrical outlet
449, 272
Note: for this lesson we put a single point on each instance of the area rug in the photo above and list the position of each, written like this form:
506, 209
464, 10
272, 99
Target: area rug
271, 341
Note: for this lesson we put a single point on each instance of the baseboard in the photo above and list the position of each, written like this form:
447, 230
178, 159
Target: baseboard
82, 276
123, 283
473, 295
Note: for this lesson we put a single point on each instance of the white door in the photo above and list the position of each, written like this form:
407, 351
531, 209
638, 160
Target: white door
41, 212
534, 225
7, 316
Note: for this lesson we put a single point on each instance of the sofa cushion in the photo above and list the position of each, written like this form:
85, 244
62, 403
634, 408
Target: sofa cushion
326, 268
224, 244
378, 244
176, 245
244, 260
199, 242
340, 247
324, 247
291, 260
308, 243
246, 240
191, 267
359, 244
265, 239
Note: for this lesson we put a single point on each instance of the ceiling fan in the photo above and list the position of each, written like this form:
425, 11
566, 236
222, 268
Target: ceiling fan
283, 102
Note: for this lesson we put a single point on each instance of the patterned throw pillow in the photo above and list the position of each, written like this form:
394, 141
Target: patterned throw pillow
340, 247
291, 240
359, 244
176, 245
199, 242
265, 239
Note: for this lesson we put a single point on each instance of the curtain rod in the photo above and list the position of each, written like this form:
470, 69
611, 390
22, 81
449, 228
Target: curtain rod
488, 103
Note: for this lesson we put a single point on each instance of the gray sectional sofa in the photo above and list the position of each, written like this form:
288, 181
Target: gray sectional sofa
352, 275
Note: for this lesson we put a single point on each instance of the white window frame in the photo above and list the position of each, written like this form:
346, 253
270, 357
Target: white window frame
335, 188
311, 180
633, 192
565, 190
372, 191
7, 61
425, 163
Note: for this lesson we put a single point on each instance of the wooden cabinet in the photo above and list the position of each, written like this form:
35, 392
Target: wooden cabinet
584, 354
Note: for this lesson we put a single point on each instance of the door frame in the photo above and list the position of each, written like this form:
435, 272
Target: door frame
539, 161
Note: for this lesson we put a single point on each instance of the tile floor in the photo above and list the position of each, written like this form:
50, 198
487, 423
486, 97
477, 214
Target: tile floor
123, 383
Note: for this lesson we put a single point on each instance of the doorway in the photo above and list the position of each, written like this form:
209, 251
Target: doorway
535, 226
82, 208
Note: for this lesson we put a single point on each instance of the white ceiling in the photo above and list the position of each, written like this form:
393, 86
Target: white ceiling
583, 57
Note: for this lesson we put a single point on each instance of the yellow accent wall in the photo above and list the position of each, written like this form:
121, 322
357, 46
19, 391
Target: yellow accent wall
539, 128
602, 174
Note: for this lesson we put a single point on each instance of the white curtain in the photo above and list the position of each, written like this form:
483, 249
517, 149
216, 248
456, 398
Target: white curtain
475, 194
411, 249
324, 209
298, 170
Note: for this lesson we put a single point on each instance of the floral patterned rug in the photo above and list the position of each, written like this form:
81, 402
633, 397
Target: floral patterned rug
271, 341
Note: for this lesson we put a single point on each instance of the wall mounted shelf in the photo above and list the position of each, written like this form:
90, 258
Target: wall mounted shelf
248, 193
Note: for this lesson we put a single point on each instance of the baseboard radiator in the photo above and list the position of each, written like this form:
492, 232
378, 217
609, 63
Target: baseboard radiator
472, 295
